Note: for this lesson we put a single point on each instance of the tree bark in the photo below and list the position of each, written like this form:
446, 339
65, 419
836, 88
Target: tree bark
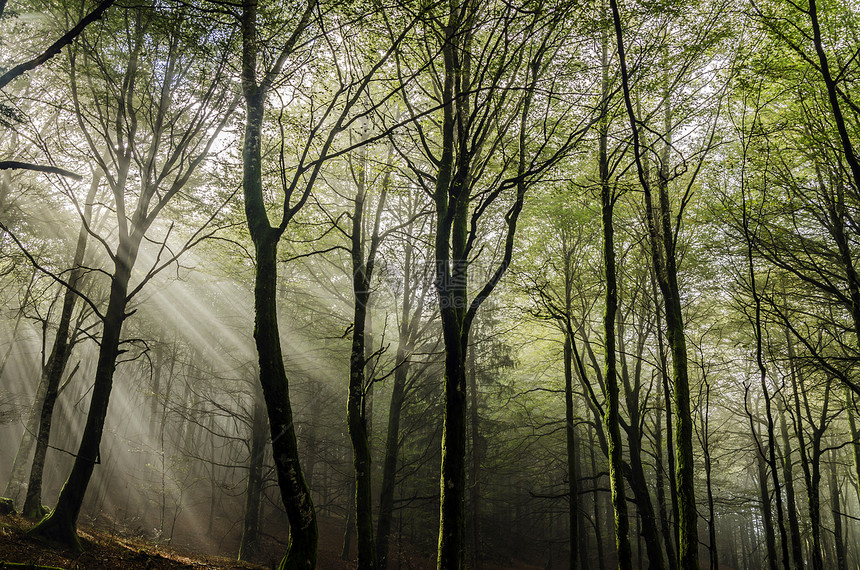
611, 418
302, 548
251, 524
475, 491
61, 524
572, 471
766, 512
356, 419
838, 539
663, 259
791, 504
56, 364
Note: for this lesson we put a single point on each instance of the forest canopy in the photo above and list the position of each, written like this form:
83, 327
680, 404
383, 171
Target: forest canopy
464, 284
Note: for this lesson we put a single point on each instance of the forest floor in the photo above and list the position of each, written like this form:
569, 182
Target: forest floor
103, 550
110, 550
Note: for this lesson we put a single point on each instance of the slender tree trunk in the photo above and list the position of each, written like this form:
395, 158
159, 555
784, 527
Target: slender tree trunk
671, 538
663, 257
61, 524
611, 416
706, 449
349, 524
392, 449
356, 402
302, 549
809, 455
572, 472
56, 363
477, 452
838, 538
598, 535
392, 442
661, 489
791, 503
814, 499
253, 494
766, 512
635, 473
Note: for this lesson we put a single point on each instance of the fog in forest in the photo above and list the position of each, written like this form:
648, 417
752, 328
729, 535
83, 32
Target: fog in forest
477, 284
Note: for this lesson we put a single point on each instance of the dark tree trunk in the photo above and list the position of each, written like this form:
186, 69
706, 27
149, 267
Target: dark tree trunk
665, 270
576, 544
598, 535
56, 364
357, 423
251, 524
766, 512
636, 472
788, 478
838, 538
451, 201
706, 449
392, 449
302, 549
475, 491
61, 524
611, 416
349, 524
410, 318
809, 457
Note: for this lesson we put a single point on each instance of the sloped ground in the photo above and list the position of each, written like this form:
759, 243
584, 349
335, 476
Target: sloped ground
108, 550
102, 551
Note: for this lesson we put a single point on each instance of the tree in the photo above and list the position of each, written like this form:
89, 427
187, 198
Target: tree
126, 139
476, 111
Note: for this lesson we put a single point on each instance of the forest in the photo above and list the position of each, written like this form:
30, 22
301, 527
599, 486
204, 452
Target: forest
386, 284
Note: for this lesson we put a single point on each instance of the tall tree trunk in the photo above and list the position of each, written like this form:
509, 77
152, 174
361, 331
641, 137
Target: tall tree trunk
56, 363
302, 548
251, 524
410, 319
766, 512
389, 469
611, 417
671, 538
663, 259
661, 489
356, 402
477, 451
598, 535
647, 520
576, 545
61, 524
451, 201
838, 539
706, 449
791, 503
809, 460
